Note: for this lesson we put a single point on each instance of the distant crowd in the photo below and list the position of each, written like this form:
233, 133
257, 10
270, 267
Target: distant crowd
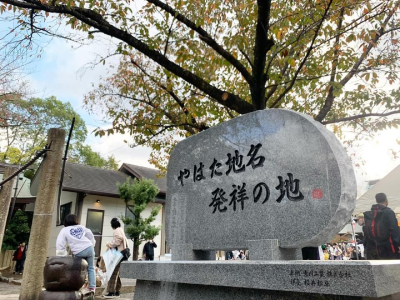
342, 251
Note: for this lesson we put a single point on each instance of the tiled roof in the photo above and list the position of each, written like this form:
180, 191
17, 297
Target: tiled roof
148, 173
92, 180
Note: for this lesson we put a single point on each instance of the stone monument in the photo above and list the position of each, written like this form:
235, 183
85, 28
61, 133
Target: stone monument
272, 182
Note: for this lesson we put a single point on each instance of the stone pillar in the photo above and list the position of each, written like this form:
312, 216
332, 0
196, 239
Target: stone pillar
5, 199
32, 280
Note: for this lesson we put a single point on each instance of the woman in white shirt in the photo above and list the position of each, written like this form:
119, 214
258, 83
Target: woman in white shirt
81, 242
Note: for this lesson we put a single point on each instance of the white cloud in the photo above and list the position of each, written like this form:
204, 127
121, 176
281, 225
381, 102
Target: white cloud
115, 145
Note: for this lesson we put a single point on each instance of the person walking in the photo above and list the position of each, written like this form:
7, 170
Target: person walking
348, 254
148, 250
337, 252
241, 255
382, 235
80, 241
19, 256
119, 241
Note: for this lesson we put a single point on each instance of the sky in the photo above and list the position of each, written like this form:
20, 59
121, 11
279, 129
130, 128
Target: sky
62, 71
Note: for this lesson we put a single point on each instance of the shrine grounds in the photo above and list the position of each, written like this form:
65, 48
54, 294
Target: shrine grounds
9, 291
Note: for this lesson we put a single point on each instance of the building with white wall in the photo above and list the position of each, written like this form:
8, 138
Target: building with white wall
92, 194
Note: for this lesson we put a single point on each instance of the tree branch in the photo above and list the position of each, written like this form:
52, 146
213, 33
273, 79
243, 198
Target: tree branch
204, 36
247, 58
97, 21
329, 100
276, 102
175, 97
330, 97
360, 116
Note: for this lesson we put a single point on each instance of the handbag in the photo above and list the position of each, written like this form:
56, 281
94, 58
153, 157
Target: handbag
126, 253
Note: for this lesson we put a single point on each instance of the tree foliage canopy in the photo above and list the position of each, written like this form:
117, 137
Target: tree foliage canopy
17, 231
25, 131
137, 195
188, 65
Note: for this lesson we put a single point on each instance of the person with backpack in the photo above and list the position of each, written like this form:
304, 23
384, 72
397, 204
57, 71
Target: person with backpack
382, 235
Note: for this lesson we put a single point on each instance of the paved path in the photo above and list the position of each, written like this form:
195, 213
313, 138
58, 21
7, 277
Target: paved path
11, 292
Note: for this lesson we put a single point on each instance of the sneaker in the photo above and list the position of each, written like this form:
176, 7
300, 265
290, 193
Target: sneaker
90, 296
117, 295
109, 296
85, 291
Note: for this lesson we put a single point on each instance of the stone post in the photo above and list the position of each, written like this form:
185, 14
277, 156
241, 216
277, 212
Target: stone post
32, 280
5, 199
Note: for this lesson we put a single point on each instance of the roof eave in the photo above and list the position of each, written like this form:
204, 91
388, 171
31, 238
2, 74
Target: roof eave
97, 193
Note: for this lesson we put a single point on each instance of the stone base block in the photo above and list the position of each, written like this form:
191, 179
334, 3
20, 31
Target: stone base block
340, 279
179, 291
68, 295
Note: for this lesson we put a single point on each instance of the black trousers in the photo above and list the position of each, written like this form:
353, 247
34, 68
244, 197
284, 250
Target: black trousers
19, 266
149, 257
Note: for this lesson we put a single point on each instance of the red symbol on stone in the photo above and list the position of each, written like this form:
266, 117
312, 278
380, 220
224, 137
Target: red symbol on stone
317, 194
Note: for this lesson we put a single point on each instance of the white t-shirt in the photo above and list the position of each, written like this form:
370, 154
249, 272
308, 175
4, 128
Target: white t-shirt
77, 237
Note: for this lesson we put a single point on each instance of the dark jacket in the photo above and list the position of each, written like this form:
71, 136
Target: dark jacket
148, 248
391, 224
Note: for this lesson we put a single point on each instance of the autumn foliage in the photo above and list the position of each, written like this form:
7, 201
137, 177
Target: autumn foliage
188, 65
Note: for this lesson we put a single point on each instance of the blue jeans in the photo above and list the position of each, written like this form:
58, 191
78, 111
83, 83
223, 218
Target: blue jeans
88, 255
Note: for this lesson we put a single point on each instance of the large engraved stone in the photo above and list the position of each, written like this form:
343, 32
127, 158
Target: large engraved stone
64, 273
273, 174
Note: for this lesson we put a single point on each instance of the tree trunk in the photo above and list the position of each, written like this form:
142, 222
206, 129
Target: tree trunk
135, 250
258, 96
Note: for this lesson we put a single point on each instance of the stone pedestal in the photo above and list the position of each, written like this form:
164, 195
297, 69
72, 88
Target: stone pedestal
270, 250
186, 252
68, 295
216, 280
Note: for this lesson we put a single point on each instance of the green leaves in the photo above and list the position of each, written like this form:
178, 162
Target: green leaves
189, 65
17, 231
137, 195
30, 119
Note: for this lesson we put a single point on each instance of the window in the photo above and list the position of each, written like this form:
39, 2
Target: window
129, 214
65, 210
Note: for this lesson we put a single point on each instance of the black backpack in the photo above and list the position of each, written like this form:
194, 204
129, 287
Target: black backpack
376, 227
